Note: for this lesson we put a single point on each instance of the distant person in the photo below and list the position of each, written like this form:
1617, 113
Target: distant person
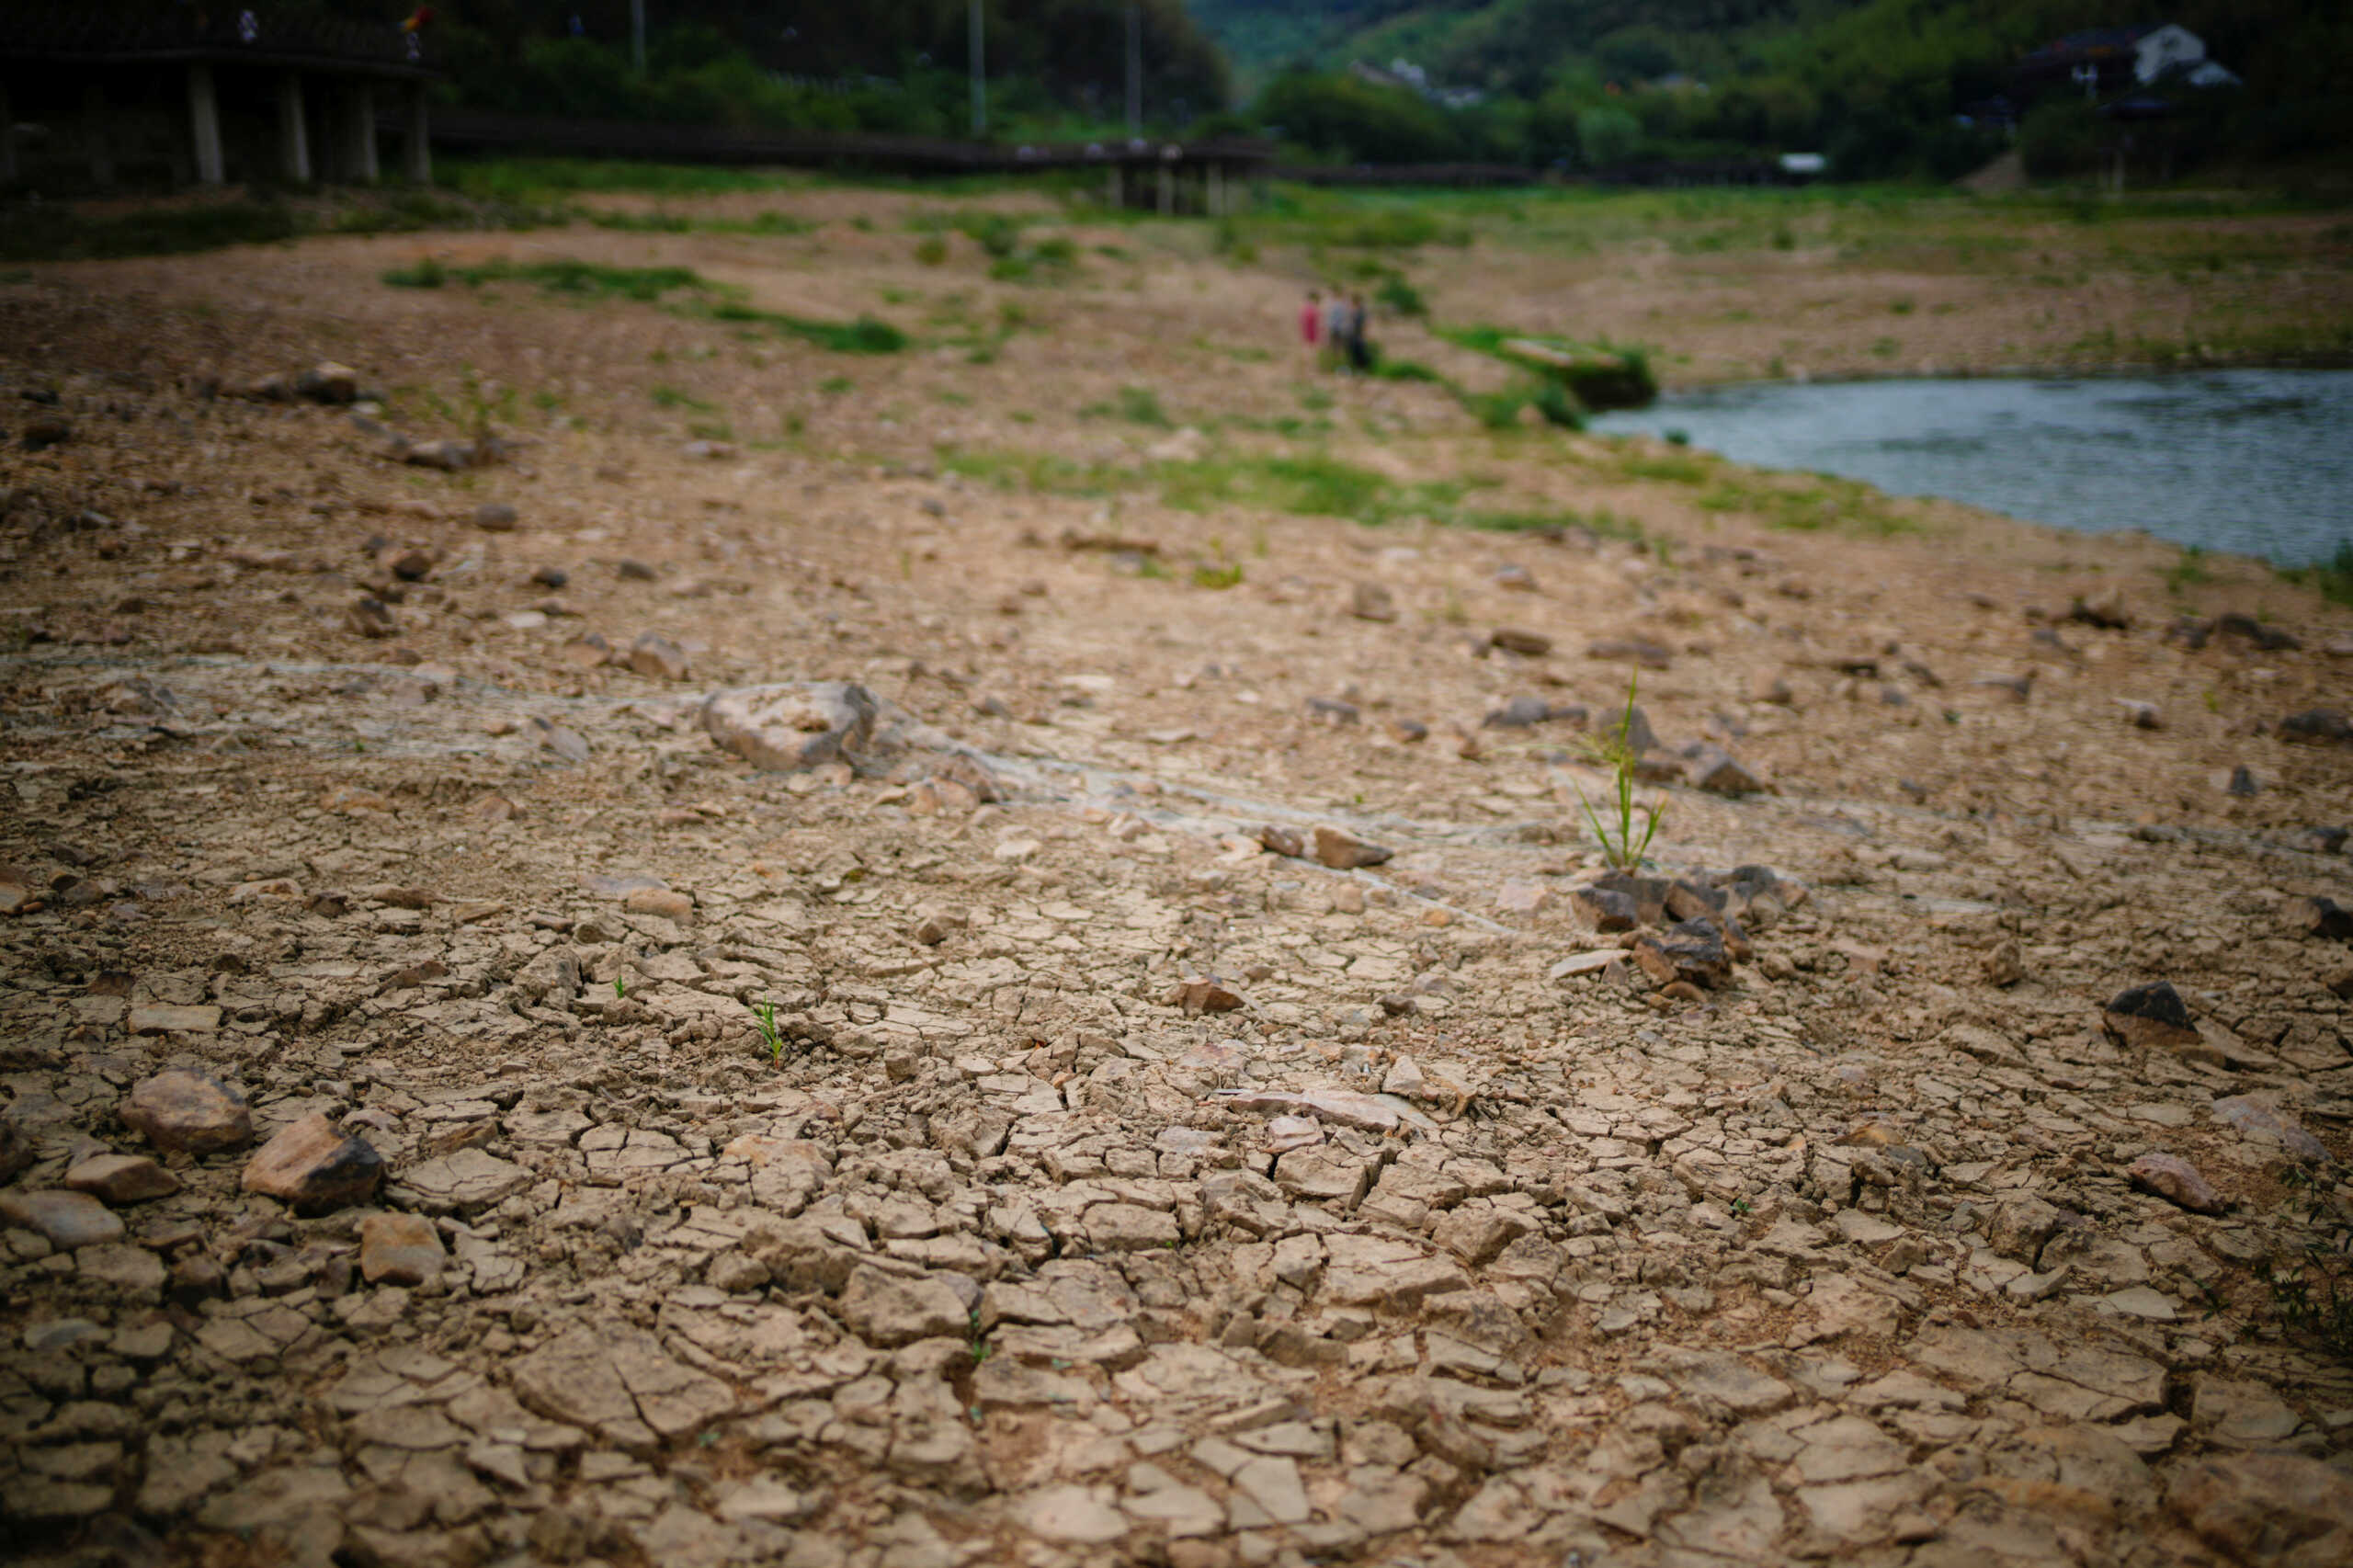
1311, 324
1359, 350
1336, 331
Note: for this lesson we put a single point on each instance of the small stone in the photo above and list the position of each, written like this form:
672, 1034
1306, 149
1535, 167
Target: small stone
408, 563
786, 728
2149, 1017
667, 902
400, 1249
1344, 851
2321, 917
550, 577
1716, 770
328, 383
495, 517
2140, 715
2255, 1118
2243, 785
1370, 601
2176, 1180
1631, 649
122, 1178
314, 1168
886, 1310
1690, 950
1605, 909
1206, 996
656, 656
187, 1112
369, 616
2005, 965
1511, 640
1766, 686
634, 572
69, 1220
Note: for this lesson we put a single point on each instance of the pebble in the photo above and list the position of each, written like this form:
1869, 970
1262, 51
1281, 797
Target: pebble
312, 1166
122, 1178
187, 1112
400, 1249
68, 1220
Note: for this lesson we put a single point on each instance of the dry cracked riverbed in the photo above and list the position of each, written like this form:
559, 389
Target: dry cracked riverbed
1153, 1073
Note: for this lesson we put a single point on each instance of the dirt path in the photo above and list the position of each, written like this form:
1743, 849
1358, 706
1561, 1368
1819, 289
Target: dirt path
1114, 1185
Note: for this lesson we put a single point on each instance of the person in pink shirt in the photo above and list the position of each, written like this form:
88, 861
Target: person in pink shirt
1311, 324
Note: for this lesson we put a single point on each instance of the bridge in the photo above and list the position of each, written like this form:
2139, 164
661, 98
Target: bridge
206, 96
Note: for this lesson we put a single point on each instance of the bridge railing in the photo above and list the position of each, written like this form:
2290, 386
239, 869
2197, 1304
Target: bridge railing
28, 28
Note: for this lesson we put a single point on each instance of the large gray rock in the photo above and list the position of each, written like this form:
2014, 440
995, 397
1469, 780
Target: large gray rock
791, 726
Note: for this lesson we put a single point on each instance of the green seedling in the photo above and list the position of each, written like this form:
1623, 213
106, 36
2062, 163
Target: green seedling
1622, 844
620, 989
772, 1039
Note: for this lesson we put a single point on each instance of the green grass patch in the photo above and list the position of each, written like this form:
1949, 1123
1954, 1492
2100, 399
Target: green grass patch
1807, 504
1599, 376
588, 281
1137, 406
2331, 578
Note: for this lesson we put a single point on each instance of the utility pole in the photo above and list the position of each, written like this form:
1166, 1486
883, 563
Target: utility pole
980, 77
1135, 68
637, 34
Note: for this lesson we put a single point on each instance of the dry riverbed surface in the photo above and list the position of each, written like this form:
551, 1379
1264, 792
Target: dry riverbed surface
900, 960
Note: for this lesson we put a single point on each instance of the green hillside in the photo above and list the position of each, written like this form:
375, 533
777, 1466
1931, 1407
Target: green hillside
1875, 85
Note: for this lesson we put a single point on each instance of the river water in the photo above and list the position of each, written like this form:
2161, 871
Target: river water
2259, 462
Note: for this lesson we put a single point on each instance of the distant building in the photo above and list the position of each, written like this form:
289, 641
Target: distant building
2102, 62
1416, 79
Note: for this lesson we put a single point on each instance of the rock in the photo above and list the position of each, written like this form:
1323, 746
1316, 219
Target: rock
43, 431
16, 1149
2268, 1511
2005, 965
2318, 725
886, 1310
737, 1274
2321, 917
1344, 851
328, 383
407, 563
187, 1112
2149, 1017
1690, 950
69, 1220
1605, 909
786, 728
1332, 710
1531, 645
400, 1249
2242, 785
2255, 1119
495, 517
1204, 995
1280, 840
1370, 601
630, 571
2176, 1179
2140, 715
550, 577
1714, 769
2103, 609
667, 902
122, 1178
314, 1168
367, 616
1766, 686
656, 655
1524, 712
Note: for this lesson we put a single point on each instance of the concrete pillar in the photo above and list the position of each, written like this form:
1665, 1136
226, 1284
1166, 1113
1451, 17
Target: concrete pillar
7, 137
204, 125
94, 136
416, 150
293, 129
1168, 190
360, 134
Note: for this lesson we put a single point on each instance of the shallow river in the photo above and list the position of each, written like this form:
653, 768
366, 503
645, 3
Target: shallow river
2255, 461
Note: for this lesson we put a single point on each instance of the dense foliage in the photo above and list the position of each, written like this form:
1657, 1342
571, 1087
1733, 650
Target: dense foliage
1878, 86
877, 65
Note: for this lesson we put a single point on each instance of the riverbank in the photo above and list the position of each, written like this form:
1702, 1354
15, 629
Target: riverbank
1157, 1070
